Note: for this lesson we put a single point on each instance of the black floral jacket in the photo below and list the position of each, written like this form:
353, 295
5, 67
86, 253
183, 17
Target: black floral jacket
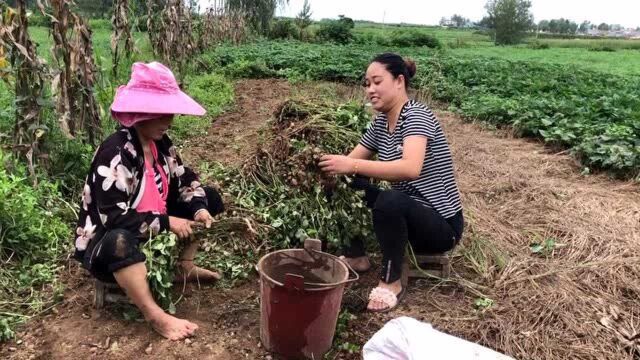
115, 185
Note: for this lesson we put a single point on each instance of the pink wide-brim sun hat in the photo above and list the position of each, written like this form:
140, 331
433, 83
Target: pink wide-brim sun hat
152, 89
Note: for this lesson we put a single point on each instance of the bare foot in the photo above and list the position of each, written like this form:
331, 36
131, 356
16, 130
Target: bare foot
188, 271
395, 287
171, 327
359, 264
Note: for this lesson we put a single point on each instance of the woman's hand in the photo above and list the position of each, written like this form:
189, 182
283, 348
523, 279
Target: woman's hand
204, 217
337, 164
180, 227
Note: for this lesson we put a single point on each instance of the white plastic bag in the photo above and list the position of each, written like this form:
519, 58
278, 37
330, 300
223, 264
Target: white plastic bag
405, 338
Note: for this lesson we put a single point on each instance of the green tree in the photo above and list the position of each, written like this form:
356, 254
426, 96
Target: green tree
510, 19
338, 31
544, 25
559, 26
259, 12
485, 23
459, 21
603, 27
303, 20
585, 26
573, 27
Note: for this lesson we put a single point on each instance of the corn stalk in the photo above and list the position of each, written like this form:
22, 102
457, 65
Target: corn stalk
174, 41
85, 71
121, 33
220, 24
29, 76
73, 85
154, 9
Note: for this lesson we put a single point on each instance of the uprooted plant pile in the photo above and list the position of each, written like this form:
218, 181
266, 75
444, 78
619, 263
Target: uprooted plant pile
284, 186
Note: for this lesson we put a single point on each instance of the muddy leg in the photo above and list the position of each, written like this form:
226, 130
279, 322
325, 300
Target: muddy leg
133, 280
188, 271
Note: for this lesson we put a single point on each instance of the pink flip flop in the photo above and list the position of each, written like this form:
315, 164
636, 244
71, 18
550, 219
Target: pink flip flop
387, 297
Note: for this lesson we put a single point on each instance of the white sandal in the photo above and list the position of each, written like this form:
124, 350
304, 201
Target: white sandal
387, 297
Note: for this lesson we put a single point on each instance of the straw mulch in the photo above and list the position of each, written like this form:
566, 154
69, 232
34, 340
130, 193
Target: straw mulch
578, 298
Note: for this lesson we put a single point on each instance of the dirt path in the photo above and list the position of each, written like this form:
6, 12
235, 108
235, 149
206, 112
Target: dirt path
232, 136
515, 193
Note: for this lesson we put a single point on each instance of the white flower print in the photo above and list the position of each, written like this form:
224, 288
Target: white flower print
189, 192
133, 181
115, 173
128, 133
129, 147
124, 206
172, 161
86, 197
154, 228
103, 218
85, 234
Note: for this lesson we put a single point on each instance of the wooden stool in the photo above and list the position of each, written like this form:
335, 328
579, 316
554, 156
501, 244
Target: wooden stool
433, 264
107, 292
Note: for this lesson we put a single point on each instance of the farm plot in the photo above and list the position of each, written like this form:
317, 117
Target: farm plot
547, 268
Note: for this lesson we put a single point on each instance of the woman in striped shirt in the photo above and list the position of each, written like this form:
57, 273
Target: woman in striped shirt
423, 206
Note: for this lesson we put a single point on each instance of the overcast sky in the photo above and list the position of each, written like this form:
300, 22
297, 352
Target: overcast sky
623, 12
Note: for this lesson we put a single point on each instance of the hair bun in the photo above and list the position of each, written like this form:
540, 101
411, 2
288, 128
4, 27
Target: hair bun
411, 67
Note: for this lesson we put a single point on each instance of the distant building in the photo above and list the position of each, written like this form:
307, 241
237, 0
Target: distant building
447, 23
623, 33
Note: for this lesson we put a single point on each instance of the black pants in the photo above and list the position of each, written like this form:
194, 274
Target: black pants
398, 219
120, 248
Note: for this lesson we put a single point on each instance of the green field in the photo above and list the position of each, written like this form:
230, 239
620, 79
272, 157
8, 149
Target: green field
595, 114
623, 60
101, 46
616, 44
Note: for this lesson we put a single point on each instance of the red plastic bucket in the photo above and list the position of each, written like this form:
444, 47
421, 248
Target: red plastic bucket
300, 296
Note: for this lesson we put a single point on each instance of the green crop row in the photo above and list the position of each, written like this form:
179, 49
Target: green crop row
596, 115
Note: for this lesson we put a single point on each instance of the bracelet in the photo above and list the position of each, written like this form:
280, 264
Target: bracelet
355, 167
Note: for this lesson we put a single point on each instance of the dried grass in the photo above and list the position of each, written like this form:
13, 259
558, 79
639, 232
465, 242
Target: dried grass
579, 300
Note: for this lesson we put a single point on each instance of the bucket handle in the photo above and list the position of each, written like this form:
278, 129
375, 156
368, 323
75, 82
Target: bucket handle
348, 280
320, 286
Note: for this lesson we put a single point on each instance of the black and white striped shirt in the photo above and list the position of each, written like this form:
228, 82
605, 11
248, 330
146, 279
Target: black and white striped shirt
436, 186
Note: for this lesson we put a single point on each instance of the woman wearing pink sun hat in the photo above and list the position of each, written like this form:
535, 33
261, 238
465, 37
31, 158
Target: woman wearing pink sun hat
138, 187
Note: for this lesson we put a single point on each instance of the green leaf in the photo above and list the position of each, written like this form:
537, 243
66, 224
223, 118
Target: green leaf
277, 223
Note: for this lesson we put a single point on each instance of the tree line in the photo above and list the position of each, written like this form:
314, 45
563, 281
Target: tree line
566, 26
